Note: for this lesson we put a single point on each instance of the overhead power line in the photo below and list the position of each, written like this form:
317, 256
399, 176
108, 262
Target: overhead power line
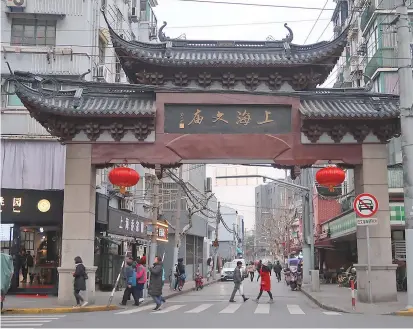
253, 4
315, 23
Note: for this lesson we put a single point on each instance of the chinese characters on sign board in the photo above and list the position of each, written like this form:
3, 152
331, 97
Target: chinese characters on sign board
131, 225
15, 202
161, 231
227, 119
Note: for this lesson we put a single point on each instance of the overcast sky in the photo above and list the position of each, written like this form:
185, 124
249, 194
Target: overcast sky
236, 22
208, 21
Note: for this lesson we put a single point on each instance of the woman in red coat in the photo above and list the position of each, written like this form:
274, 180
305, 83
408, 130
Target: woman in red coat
265, 283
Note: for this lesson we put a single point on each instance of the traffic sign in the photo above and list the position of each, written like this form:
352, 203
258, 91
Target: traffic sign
365, 205
367, 221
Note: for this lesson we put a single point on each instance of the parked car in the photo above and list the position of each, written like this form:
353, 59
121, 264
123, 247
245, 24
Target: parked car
228, 271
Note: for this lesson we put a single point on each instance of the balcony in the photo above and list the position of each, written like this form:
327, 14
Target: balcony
383, 58
395, 179
44, 60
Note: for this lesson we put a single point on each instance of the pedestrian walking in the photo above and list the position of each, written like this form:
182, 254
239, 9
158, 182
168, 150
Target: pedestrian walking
140, 280
155, 282
251, 270
265, 283
79, 283
238, 278
278, 269
259, 265
130, 277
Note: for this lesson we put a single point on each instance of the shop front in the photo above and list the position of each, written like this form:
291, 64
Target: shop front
125, 232
31, 232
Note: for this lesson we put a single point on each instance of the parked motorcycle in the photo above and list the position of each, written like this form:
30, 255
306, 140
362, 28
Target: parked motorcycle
287, 276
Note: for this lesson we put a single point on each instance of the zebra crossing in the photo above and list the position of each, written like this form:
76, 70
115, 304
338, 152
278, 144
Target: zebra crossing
27, 321
222, 308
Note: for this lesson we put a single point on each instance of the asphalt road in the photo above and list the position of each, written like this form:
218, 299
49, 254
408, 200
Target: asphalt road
210, 308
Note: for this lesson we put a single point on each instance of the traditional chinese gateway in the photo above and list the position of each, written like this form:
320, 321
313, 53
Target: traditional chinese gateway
212, 101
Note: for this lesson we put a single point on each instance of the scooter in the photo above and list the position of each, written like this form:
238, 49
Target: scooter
295, 280
199, 282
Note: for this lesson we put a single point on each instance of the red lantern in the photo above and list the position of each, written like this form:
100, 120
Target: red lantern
123, 177
330, 177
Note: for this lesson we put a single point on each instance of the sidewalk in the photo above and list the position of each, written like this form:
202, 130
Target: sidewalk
31, 305
338, 299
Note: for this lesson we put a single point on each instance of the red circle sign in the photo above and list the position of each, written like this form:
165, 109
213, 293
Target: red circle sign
365, 205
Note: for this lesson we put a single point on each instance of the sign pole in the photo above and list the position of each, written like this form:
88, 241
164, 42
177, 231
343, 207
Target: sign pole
368, 264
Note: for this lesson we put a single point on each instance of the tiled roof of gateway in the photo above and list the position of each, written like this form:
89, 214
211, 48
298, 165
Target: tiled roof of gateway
195, 53
352, 106
89, 99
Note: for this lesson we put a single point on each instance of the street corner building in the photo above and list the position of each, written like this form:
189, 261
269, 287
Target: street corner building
197, 101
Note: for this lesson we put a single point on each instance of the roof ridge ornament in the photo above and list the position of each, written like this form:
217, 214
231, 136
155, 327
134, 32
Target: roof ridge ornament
161, 34
287, 41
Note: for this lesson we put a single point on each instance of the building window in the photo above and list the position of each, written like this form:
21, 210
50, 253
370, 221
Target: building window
33, 32
144, 10
12, 101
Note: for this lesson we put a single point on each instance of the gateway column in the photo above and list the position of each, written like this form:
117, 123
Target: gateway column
371, 177
78, 221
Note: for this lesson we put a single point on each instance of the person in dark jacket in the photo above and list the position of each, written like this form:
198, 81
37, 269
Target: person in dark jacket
80, 281
130, 278
258, 267
278, 269
238, 278
180, 273
155, 282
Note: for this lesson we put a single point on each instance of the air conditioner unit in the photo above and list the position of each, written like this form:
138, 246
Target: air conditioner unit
16, 3
127, 205
102, 73
133, 15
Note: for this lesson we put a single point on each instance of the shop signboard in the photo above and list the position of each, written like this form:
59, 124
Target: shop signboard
126, 224
161, 231
31, 207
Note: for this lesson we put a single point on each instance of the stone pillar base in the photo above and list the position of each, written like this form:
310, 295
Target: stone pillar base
383, 283
65, 294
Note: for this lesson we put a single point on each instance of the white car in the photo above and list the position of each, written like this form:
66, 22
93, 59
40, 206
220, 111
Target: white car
228, 271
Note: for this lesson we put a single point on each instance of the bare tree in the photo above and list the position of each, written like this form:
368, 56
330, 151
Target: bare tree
276, 225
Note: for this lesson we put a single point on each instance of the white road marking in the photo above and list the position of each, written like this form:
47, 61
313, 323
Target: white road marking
262, 309
169, 309
24, 321
32, 316
22, 325
137, 309
331, 313
231, 308
200, 308
295, 309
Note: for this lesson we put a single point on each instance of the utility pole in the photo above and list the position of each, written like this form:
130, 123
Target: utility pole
234, 239
155, 207
177, 229
214, 270
406, 122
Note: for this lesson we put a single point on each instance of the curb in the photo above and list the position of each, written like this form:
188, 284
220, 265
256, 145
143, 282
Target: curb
408, 312
86, 309
324, 306
98, 308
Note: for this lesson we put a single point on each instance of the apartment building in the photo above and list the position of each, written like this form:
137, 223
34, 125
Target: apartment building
61, 39
371, 58
371, 53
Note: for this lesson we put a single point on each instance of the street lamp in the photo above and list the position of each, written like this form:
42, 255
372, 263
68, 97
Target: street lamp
308, 245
